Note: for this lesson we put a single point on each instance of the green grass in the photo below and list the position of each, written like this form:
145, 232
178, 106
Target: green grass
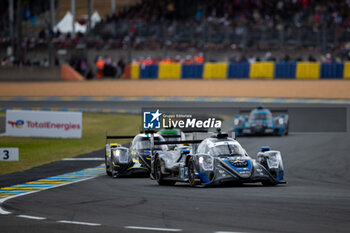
37, 151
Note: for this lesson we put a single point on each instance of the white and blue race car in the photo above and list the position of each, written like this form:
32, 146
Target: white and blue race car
261, 122
218, 159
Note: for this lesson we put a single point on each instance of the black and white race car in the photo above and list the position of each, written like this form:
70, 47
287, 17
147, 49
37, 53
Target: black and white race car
217, 160
135, 160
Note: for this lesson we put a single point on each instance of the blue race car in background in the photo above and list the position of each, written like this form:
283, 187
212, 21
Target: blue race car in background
261, 122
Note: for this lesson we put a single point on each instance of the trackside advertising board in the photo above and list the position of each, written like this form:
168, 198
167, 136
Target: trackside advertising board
44, 124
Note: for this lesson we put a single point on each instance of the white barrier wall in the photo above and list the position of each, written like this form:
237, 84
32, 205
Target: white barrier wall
44, 124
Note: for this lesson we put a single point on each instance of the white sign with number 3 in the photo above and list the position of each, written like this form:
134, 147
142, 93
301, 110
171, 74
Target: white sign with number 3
9, 154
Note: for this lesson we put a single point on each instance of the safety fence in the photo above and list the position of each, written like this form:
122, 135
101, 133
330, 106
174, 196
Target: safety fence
224, 70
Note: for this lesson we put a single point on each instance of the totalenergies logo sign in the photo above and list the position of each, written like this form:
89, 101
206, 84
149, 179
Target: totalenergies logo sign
44, 124
17, 124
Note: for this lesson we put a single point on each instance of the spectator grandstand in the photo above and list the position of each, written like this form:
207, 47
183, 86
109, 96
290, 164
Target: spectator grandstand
237, 30
221, 23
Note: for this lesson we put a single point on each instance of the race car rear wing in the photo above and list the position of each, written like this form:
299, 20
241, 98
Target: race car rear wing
129, 136
119, 137
177, 142
195, 130
274, 111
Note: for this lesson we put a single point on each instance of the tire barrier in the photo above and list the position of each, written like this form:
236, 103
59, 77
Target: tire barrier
192, 71
238, 70
285, 70
308, 70
215, 70
256, 70
169, 71
332, 71
346, 73
148, 71
262, 70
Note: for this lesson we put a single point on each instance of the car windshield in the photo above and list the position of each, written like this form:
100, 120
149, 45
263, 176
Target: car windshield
260, 115
145, 144
226, 148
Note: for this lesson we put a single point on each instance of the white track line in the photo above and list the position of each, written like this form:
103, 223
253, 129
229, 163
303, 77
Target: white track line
31, 217
152, 228
229, 232
2, 211
80, 223
83, 159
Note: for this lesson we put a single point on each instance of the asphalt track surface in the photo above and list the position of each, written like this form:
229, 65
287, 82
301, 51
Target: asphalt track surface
316, 198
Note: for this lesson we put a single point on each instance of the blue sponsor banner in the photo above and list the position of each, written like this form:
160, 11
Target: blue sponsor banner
238, 70
285, 70
332, 71
192, 71
148, 72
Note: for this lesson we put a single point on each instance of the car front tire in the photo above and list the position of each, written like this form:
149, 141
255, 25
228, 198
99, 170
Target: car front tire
109, 173
159, 176
192, 173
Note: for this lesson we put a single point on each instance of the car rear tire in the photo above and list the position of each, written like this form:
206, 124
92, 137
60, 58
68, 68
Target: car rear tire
159, 176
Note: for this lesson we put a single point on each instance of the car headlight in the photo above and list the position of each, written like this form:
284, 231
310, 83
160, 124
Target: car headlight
273, 160
121, 156
206, 162
281, 121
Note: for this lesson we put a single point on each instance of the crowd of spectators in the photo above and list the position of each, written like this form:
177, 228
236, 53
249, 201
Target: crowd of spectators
200, 25
187, 60
107, 67
13, 61
219, 23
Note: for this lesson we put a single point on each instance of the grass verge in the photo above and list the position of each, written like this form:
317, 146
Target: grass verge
38, 151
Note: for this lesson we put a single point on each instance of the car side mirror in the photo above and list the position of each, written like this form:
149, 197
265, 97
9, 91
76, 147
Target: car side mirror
186, 151
265, 148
